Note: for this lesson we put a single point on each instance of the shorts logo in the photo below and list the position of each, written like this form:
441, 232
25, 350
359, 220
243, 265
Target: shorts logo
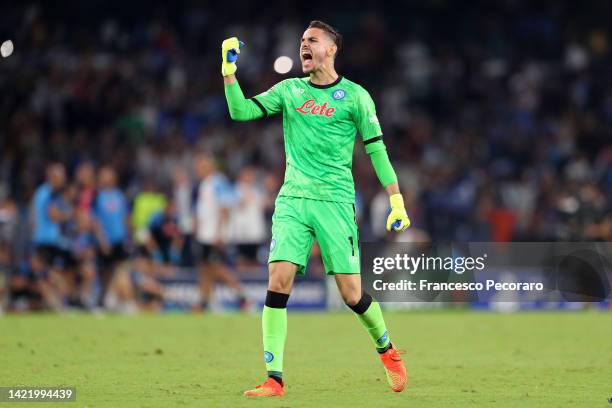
272, 245
382, 339
339, 94
268, 357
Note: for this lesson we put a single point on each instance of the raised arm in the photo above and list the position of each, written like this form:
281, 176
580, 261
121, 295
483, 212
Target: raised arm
241, 108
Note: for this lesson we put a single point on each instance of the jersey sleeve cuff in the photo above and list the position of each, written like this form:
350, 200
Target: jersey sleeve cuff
372, 140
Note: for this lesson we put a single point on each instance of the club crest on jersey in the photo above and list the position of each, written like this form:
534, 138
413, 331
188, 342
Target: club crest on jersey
310, 107
339, 94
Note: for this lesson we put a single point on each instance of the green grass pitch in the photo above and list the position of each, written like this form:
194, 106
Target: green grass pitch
454, 359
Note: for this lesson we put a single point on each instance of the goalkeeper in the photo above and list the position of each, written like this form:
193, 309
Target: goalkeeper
322, 113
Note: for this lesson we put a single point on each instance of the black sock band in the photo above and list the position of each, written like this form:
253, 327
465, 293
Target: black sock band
276, 300
384, 349
363, 304
277, 376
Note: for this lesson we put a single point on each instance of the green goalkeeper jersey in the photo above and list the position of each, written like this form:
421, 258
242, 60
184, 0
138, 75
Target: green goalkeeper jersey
320, 123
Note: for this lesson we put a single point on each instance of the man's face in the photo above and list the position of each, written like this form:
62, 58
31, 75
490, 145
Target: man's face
315, 49
107, 178
57, 176
203, 166
247, 175
85, 174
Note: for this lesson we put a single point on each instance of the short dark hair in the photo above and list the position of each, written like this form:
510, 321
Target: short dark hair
331, 31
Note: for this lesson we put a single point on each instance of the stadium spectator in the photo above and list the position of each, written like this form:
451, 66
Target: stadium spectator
165, 244
65, 206
136, 286
86, 245
147, 203
50, 215
145, 277
8, 222
247, 218
85, 178
8, 246
6, 264
213, 204
111, 211
183, 195
35, 286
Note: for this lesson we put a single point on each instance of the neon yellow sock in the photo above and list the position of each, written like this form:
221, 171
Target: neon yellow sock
274, 326
373, 321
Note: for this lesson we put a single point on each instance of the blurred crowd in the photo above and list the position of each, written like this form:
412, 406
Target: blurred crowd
90, 246
497, 118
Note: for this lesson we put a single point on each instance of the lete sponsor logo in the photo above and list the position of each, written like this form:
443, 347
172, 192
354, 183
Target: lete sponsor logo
310, 107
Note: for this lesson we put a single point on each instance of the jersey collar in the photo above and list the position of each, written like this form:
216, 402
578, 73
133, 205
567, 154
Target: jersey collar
326, 86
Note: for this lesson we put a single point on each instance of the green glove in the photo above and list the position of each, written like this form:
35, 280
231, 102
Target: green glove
230, 49
398, 219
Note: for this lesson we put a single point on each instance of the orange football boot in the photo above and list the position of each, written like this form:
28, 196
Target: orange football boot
269, 388
394, 368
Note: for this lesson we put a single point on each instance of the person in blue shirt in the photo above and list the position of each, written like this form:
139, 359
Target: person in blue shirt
48, 217
86, 244
111, 211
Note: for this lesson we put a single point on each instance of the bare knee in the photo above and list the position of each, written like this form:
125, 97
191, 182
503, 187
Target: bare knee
281, 275
350, 288
351, 296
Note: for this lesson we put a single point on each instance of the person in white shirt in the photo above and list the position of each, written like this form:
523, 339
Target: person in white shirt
213, 201
248, 223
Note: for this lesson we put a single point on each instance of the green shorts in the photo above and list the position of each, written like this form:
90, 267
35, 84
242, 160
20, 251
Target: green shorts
297, 222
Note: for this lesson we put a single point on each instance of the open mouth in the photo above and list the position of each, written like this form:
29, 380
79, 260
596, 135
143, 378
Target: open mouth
306, 56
